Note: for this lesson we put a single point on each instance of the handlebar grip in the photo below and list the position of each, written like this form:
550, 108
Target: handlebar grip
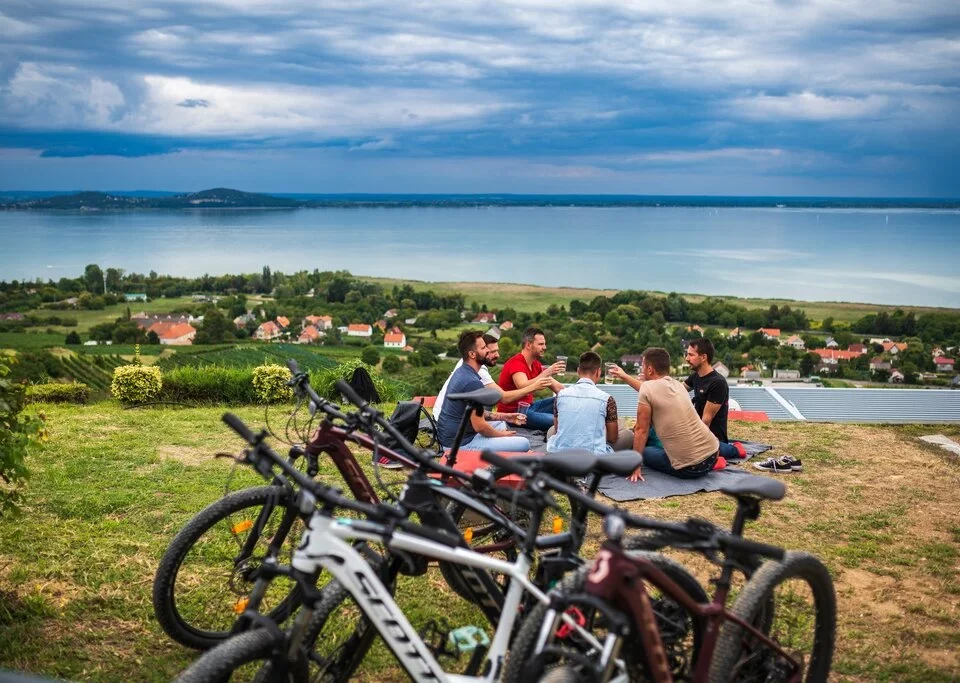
237, 425
349, 393
292, 365
505, 464
753, 547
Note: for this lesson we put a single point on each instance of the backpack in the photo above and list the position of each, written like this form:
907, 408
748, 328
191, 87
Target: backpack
362, 383
416, 425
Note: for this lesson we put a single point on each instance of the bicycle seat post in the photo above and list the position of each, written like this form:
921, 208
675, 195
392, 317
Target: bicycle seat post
452, 456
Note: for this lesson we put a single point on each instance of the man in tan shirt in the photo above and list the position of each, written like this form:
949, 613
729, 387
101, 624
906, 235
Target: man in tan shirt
689, 447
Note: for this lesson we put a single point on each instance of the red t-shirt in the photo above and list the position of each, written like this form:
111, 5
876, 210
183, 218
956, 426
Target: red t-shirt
516, 364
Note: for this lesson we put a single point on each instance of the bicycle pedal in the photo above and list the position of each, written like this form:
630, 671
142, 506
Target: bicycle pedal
466, 639
436, 636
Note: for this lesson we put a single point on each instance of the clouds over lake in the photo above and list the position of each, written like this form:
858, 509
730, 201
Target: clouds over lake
739, 97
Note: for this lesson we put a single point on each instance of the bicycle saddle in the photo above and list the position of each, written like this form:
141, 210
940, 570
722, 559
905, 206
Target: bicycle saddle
620, 463
567, 463
762, 487
480, 397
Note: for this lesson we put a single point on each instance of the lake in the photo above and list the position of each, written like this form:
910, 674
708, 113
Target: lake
891, 256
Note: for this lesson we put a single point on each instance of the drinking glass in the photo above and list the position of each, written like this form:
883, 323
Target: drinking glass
607, 377
562, 359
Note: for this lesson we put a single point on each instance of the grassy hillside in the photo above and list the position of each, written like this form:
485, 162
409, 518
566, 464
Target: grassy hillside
531, 298
76, 569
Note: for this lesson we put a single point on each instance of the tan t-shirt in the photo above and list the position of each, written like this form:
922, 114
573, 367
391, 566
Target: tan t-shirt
685, 438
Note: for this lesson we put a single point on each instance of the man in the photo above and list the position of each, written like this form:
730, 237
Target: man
479, 433
492, 340
690, 449
522, 372
586, 417
711, 395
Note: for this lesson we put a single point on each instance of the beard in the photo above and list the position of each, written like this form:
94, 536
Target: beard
490, 362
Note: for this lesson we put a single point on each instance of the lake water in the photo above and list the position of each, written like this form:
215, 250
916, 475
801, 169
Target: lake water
905, 256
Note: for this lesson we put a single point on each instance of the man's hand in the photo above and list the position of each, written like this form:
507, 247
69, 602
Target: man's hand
618, 372
636, 475
514, 418
542, 382
505, 432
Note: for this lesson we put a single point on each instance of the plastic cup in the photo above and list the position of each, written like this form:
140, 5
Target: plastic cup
562, 359
523, 407
608, 378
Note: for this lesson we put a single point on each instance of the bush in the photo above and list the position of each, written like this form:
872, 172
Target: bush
73, 339
74, 392
136, 383
324, 381
392, 364
16, 432
270, 383
209, 384
370, 355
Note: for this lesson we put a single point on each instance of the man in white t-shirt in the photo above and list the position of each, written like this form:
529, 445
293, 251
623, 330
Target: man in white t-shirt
492, 339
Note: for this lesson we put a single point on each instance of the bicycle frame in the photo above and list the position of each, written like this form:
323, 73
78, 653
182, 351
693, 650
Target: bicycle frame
616, 578
326, 545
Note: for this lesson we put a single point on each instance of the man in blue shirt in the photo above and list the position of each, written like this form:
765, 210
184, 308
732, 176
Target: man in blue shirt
479, 434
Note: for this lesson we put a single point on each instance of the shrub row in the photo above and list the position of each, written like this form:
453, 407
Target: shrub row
74, 392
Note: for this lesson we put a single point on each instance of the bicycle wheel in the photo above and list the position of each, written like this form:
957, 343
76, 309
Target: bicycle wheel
565, 674
241, 658
485, 533
793, 603
681, 632
204, 576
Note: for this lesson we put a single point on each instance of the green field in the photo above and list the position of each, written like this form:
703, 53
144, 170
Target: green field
87, 319
112, 486
531, 298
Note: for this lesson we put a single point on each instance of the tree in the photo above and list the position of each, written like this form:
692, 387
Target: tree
370, 355
153, 338
93, 279
19, 430
808, 363
73, 339
215, 329
267, 280
114, 279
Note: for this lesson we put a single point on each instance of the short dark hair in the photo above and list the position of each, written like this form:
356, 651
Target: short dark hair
529, 334
589, 362
490, 339
468, 342
658, 359
704, 347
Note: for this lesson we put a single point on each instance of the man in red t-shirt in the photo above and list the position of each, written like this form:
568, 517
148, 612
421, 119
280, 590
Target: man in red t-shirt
523, 370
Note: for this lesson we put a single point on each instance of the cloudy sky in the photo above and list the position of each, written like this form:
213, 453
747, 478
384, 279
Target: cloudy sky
749, 97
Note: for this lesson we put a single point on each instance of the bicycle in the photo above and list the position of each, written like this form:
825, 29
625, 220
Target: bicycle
738, 644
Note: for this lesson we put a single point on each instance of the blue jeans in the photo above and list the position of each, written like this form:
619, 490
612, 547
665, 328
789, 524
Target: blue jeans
729, 451
510, 444
656, 459
540, 414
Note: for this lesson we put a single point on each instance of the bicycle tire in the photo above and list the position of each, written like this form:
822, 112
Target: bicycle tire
448, 570
221, 663
521, 650
563, 674
753, 605
186, 629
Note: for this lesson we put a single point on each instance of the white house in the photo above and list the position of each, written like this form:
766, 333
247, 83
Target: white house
831, 343
722, 369
944, 364
393, 340
770, 332
786, 374
795, 341
179, 334
896, 377
267, 331
359, 330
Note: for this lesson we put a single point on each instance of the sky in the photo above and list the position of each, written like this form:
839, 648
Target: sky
747, 97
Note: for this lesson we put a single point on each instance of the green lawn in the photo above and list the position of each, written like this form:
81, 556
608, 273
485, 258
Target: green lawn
112, 486
87, 319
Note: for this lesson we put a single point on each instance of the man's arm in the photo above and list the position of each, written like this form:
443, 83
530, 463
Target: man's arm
640, 433
613, 432
516, 394
622, 374
709, 411
483, 428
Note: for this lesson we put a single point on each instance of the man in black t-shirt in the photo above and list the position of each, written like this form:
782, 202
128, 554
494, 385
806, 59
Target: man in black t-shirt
711, 394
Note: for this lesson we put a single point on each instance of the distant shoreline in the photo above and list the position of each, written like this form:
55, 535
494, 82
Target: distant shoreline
220, 199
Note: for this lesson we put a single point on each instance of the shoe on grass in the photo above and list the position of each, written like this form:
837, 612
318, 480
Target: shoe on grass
389, 464
785, 464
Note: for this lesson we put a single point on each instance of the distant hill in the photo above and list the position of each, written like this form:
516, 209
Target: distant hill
217, 198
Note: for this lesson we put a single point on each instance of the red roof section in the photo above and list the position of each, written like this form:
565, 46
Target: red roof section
393, 338
268, 326
770, 331
942, 361
283, 322
176, 330
310, 332
835, 354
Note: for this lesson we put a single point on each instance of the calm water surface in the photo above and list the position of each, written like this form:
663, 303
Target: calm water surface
905, 256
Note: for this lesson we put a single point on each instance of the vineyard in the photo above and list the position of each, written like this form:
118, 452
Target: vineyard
94, 371
249, 356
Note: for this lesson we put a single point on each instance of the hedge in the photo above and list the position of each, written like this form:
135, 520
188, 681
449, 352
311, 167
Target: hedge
74, 392
208, 384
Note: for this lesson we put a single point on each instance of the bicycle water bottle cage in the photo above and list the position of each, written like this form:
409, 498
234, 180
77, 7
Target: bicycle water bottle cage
466, 639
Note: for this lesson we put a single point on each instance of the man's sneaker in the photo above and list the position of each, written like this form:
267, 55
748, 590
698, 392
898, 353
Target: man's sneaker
388, 463
785, 464
741, 451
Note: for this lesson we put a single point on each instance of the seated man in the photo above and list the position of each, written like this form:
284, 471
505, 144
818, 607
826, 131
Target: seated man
711, 394
479, 433
492, 340
522, 372
586, 417
690, 449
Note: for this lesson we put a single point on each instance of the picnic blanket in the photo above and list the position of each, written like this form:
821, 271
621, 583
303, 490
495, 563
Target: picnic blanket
660, 485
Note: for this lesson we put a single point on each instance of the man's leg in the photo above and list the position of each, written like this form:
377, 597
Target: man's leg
540, 414
656, 459
624, 440
729, 451
512, 444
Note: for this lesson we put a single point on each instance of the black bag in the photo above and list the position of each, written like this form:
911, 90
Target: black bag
416, 425
362, 383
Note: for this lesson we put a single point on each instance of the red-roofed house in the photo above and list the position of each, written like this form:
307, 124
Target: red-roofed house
858, 349
485, 318
833, 356
879, 363
392, 313
506, 325
893, 348
408, 348
795, 341
309, 335
267, 331
381, 325
321, 322
770, 332
359, 330
943, 364
178, 334
394, 341
283, 323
